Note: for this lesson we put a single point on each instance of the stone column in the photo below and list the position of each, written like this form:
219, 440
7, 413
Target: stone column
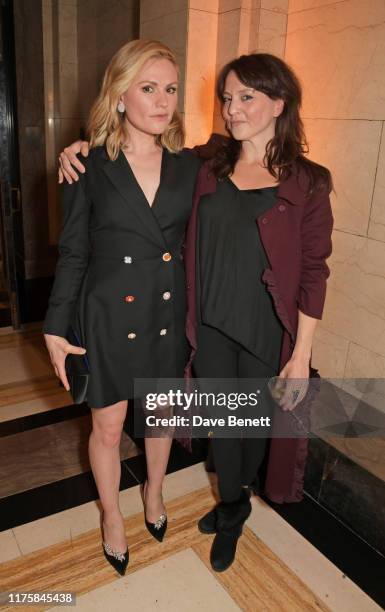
62, 116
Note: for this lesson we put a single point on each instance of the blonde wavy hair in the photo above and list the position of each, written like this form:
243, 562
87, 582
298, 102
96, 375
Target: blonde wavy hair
105, 123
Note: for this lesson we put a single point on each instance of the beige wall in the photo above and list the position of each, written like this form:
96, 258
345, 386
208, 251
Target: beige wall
338, 51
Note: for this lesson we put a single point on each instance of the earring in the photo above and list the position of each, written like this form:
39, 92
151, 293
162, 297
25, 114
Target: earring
121, 107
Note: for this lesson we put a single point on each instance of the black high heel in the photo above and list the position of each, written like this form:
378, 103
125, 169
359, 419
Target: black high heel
118, 560
157, 529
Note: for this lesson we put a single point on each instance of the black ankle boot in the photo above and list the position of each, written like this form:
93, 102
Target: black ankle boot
208, 522
230, 519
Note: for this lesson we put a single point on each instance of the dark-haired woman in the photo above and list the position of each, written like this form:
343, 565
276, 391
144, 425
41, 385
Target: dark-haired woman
257, 241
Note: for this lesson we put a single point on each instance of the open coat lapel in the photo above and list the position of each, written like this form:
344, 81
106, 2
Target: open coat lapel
123, 179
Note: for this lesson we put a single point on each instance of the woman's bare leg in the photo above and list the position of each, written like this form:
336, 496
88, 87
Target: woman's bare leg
103, 448
158, 442
157, 454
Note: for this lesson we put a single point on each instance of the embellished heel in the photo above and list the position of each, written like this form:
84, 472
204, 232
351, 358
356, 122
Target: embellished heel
118, 560
157, 529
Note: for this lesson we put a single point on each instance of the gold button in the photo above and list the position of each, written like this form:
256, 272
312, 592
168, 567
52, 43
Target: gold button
163, 332
131, 336
129, 298
210, 434
166, 256
166, 295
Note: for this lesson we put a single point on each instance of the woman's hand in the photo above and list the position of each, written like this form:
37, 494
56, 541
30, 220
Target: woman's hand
295, 375
58, 349
67, 159
296, 372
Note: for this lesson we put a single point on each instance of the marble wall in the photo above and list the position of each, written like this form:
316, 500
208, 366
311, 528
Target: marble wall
338, 51
200, 70
272, 27
62, 111
31, 134
102, 28
167, 21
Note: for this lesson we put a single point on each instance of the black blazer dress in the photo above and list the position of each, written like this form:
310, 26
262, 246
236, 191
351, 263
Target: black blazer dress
119, 280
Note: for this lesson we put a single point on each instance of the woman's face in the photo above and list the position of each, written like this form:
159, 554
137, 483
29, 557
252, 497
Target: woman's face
248, 113
151, 99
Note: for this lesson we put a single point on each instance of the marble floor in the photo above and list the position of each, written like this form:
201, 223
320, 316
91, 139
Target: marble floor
50, 520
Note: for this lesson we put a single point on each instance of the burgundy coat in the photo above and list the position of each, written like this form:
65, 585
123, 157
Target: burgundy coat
296, 235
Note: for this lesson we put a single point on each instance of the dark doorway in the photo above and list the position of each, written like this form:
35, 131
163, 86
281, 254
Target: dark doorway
11, 229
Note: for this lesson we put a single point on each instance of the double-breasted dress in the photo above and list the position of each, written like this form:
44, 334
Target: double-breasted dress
120, 279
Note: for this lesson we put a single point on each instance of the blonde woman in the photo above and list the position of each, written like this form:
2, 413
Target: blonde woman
119, 280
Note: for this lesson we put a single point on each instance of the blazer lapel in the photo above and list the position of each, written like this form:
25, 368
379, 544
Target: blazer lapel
123, 179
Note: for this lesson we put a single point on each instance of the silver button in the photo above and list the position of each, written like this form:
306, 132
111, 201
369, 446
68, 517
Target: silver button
127, 259
163, 332
166, 295
131, 336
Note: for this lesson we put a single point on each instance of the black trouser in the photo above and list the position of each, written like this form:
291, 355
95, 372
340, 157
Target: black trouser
236, 460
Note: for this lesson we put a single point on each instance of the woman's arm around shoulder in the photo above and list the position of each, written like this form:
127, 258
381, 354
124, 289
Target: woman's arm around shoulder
69, 162
207, 150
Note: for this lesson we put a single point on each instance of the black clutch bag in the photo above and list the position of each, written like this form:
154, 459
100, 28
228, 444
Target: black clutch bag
77, 370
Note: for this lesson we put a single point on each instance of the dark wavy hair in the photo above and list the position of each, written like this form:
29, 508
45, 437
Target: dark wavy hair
273, 77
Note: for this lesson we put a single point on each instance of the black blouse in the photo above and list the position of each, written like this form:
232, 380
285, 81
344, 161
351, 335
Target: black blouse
231, 261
